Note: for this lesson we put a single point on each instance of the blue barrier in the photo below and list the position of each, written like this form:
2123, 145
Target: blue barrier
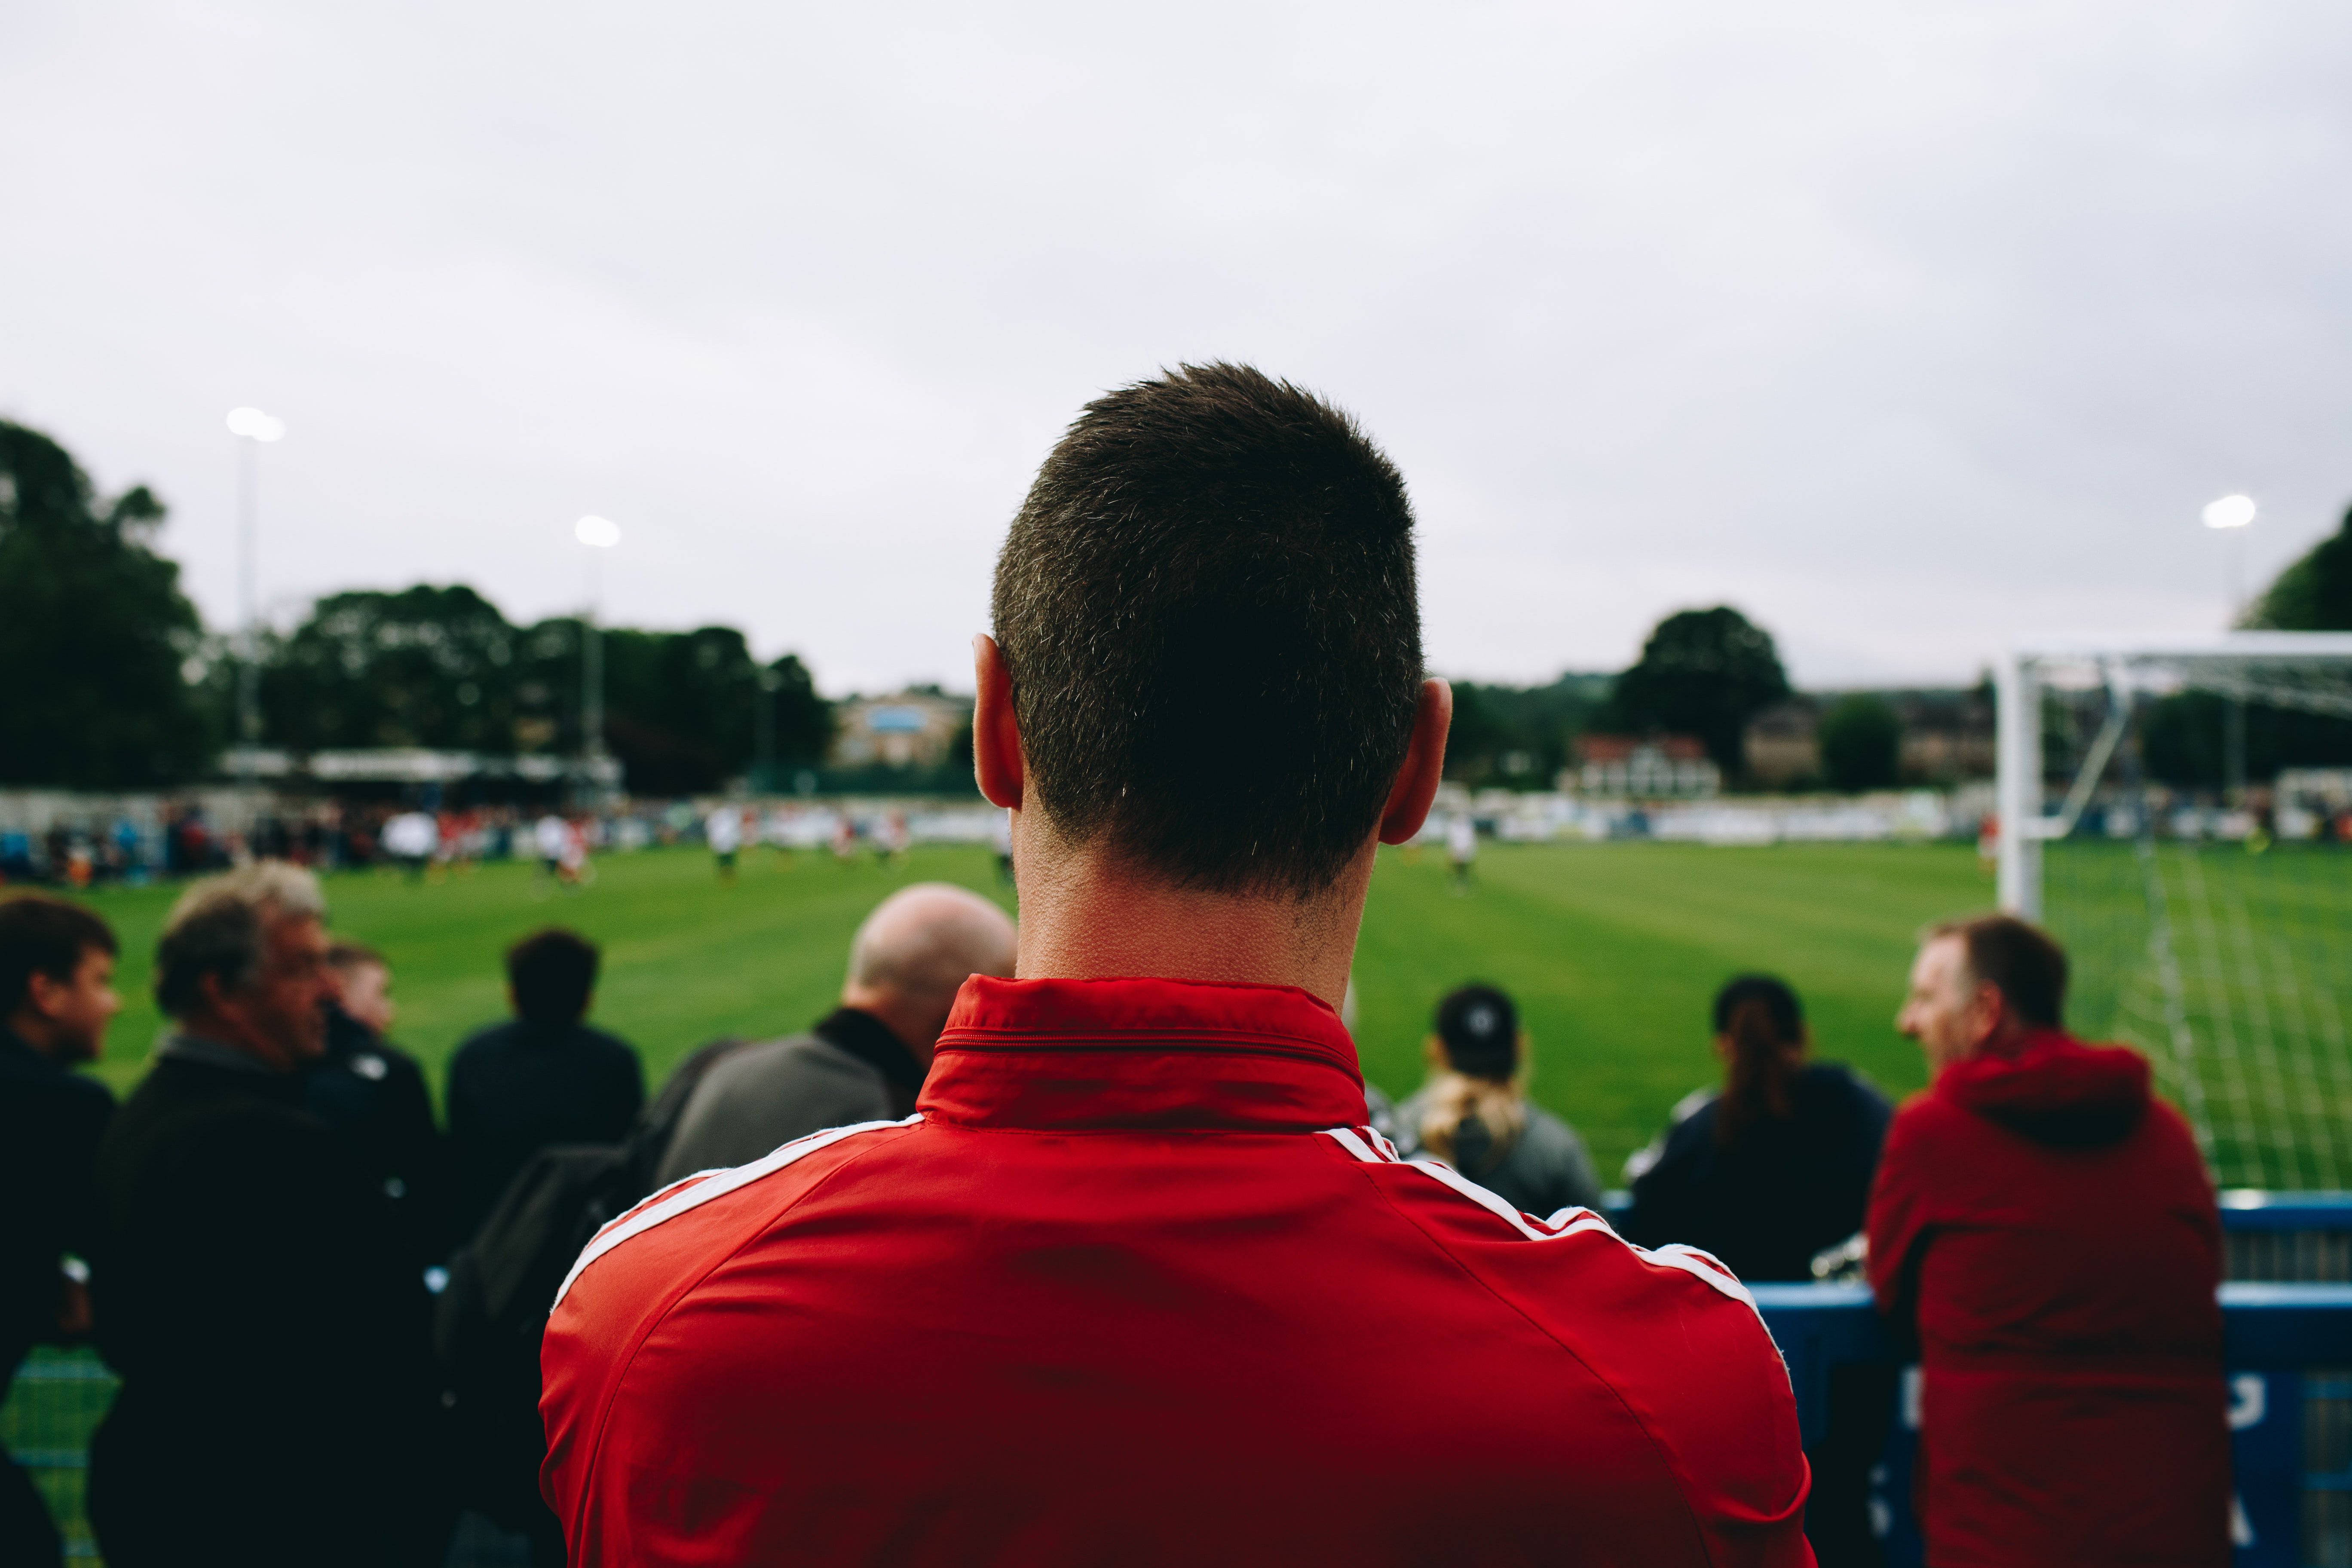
2276, 1336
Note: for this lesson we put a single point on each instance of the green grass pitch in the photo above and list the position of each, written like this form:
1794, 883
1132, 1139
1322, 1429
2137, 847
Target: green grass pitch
1613, 952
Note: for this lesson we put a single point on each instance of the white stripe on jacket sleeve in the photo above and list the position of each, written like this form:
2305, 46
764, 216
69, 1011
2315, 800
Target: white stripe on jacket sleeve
703, 1186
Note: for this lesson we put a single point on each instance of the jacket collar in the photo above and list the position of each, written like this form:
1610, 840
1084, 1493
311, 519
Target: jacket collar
1103, 1054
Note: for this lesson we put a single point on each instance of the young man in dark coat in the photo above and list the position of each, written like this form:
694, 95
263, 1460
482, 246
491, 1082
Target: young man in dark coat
374, 1094
2046, 1228
57, 996
544, 1077
278, 1403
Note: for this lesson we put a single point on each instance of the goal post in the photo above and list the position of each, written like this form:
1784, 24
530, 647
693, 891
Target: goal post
2208, 924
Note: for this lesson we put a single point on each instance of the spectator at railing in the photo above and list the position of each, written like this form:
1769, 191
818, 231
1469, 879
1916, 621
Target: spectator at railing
56, 996
541, 1078
278, 1403
1777, 1166
1475, 1114
1136, 1282
1765, 1174
2047, 1229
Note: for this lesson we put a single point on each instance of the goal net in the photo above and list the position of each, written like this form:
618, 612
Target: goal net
2180, 816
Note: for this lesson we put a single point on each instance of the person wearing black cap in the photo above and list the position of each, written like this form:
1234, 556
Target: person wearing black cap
1474, 1115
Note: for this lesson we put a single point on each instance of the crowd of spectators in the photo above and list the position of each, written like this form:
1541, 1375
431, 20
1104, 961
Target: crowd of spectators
1119, 1259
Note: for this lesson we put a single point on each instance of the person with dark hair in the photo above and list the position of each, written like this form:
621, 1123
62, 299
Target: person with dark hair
1765, 1172
278, 1404
1474, 1112
374, 1094
56, 997
543, 1078
2044, 1228
1136, 1280
1776, 1166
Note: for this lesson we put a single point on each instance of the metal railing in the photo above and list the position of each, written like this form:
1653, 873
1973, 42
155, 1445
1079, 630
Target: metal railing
2288, 1410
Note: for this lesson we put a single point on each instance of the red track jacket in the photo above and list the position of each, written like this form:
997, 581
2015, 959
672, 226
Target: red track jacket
2051, 1230
1136, 1284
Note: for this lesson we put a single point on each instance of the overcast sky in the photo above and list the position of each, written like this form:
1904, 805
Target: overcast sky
1907, 330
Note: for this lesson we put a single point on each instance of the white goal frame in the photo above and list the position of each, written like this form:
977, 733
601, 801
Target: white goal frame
2229, 663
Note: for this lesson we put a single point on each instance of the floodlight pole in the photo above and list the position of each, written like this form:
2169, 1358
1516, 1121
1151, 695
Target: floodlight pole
763, 732
2018, 784
592, 674
248, 574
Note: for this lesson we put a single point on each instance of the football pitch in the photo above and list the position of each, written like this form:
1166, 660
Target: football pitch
1613, 952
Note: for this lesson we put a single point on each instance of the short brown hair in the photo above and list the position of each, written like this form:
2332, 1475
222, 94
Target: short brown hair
2019, 960
1211, 564
44, 936
552, 972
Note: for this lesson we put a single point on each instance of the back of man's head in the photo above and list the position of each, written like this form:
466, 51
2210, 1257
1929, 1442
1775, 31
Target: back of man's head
2016, 959
919, 947
1207, 607
44, 936
219, 927
552, 974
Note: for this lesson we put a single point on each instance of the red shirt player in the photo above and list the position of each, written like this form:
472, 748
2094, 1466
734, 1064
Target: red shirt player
2047, 1230
1136, 1283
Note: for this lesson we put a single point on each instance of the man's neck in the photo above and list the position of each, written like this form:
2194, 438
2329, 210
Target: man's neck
37, 1034
1082, 919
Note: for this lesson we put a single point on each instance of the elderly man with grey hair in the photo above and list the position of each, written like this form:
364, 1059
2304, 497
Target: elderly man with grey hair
864, 1061
278, 1401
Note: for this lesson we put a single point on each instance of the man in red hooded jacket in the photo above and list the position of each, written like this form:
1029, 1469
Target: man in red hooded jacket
1136, 1283
2048, 1230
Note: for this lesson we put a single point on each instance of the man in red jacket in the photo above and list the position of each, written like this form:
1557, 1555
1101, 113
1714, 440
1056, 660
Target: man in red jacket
1135, 1282
2047, 1229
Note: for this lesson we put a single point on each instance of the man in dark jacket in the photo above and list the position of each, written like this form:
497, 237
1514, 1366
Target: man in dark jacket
543, 1078
2046, 1228
374, 1094
278, 1400
864, 1061
57, 996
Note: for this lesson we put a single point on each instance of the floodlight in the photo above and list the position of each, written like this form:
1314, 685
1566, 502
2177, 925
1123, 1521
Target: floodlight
602, 532
2230, 512
253, 422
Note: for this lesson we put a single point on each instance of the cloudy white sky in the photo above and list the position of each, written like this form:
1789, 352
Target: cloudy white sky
1906, 329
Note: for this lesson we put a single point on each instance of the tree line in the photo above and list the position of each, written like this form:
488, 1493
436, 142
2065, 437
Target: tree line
112, 682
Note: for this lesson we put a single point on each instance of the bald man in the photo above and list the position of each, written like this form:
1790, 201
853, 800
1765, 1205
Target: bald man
865, 1061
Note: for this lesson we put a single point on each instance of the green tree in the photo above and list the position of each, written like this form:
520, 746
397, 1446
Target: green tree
423, 667
1861, 743
2314, 592
1519, 737
99, 647
1703, 673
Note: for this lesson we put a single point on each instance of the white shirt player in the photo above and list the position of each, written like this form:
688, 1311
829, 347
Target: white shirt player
413, 834
724, 829
1462, 839
551, 836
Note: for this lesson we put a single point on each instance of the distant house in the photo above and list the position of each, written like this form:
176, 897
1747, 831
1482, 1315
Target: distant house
1675, 766
913, 729
1782, 745
1946, 735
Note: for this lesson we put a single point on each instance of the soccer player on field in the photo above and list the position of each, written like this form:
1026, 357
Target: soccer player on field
1136, 1282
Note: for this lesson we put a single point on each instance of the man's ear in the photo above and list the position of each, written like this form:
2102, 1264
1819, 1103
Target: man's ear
1425, 764
995, 733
